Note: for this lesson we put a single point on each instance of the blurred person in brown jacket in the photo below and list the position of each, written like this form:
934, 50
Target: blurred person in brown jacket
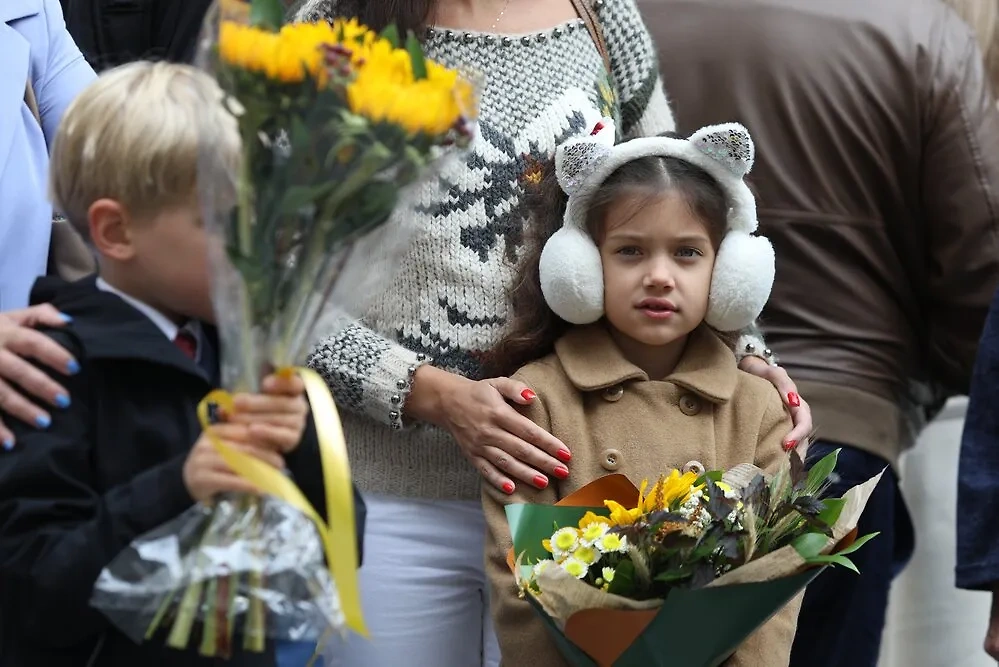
880, 191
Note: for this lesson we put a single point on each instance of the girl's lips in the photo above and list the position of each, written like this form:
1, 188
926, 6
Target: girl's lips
655, 314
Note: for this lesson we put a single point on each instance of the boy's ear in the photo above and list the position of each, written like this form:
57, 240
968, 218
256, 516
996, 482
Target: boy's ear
110, 229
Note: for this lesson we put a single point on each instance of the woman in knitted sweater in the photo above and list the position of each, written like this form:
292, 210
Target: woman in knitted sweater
409, 375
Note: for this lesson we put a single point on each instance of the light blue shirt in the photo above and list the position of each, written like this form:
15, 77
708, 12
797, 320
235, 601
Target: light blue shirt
33, 41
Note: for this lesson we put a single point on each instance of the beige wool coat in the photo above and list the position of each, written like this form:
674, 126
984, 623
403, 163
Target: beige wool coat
707, 414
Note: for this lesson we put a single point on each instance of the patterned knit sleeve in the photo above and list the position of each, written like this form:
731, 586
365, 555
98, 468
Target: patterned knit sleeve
645, 110
367, 373
313, 10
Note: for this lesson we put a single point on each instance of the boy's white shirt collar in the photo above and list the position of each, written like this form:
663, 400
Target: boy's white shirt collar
162, 322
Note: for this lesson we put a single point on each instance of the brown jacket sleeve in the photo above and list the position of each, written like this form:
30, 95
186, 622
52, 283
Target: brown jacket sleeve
960, 196
523, 638
770, 646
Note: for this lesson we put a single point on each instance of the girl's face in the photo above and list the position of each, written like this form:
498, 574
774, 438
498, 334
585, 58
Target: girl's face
657, 260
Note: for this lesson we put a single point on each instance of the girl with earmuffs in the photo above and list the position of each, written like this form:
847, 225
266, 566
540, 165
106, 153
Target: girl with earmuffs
622, 324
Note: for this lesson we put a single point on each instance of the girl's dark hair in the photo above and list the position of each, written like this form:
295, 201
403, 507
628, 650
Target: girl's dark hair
534, 328
407, 15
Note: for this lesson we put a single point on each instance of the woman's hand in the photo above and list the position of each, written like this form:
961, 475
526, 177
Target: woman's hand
499, 441
18, 343
801, 414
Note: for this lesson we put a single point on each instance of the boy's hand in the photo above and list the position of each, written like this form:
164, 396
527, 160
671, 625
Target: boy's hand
206, 474
276, 417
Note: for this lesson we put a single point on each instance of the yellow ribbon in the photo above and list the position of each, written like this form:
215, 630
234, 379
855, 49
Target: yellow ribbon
338, 533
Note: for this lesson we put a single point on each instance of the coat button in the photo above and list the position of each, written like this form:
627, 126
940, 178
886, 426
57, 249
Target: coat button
690, 405
614, 394
695, 467
610, 460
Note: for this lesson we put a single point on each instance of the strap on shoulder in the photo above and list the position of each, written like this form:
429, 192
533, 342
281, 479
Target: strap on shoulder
584, 9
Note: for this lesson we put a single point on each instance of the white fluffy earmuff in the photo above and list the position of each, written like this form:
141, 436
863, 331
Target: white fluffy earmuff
571, 270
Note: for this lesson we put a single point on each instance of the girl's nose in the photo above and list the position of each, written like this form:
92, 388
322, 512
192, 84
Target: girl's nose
660, 275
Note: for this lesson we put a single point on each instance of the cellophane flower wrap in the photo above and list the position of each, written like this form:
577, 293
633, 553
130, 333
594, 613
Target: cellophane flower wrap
336, 124
681, 570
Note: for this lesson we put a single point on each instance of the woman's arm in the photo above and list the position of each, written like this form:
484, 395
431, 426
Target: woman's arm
64, 73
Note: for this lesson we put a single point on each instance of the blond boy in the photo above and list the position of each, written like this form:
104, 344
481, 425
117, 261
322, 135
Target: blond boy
127, 453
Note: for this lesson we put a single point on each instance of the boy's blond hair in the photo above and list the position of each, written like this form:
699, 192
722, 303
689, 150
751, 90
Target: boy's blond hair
137, 135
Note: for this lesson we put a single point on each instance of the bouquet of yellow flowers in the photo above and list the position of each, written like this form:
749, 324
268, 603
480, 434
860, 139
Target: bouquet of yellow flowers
644, 564
335, 122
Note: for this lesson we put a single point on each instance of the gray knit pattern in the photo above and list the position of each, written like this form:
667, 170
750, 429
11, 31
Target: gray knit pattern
447, 302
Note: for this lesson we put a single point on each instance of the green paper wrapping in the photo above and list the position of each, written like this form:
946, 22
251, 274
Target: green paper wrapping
678, 636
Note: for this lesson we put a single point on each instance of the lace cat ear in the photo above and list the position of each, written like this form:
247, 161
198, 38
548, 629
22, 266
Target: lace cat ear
578, 158
729, 144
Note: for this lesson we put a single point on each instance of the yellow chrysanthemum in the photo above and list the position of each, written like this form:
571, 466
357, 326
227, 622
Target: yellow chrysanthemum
612, 542
593, 532
564, 541
588, 555
607, 574
591, 518
575, 567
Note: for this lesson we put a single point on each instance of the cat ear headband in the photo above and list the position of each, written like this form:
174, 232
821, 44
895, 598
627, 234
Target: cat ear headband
571, 270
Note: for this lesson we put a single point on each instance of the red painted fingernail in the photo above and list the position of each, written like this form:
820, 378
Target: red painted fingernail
507, 488
789, 445
540, 481
793, 400
561, 472
528, 395
564, 455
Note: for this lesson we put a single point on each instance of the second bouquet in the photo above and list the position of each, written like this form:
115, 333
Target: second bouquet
335, 123
683, 570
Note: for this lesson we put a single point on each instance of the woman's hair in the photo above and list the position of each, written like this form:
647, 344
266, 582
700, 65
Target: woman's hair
534, 328
407, 15
983, 17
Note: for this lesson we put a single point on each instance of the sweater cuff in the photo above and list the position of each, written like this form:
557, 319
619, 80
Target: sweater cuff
367, 373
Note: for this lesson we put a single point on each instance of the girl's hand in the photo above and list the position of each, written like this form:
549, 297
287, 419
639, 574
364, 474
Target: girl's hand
206, 474
19, 342
275, 418
499, 441
801, 414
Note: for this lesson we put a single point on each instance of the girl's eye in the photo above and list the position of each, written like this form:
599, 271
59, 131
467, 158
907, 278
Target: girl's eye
689, 252
630, 251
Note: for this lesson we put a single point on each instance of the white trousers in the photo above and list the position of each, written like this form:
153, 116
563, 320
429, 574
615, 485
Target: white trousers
930, 622
423, 588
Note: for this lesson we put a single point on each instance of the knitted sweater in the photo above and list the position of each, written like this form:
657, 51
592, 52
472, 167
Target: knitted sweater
447, 303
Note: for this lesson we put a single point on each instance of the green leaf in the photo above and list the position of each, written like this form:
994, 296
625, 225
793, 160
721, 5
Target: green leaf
299, 196
391, 34
833, 508
810, 545
834, 559
820, 472
624, 579
267, 14
671, 576
415, 50
713, 475
861, 541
